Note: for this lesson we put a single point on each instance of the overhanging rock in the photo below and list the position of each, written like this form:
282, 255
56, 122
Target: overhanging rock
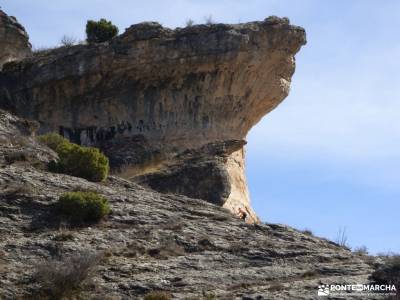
152, 93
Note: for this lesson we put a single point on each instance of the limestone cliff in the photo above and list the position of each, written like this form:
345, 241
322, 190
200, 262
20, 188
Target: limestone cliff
14, 44
152, 93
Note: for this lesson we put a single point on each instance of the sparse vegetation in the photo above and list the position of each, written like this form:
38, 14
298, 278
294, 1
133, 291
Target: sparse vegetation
75, 160
209, 20
64, 235
59, 279
361, 250
389, 272
189, 23
158, 296
52, 140
309, 274
341, 237
83, 206
100, 31
68, 41
308, 232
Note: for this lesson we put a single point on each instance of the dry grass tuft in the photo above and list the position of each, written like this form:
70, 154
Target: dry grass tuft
66, 277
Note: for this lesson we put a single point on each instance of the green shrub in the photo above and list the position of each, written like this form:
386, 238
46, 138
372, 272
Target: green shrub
52, 140
75, 160
83, 206
158, 296
85, 162
100, 31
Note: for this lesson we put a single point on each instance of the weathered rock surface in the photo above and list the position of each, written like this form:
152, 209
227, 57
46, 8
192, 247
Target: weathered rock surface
17, 142
200, 173
14, 41
155, 241
152, 93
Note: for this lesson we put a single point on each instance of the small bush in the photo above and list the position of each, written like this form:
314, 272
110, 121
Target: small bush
307, 232
68, 41
100, 31
75, 160
83, 206
63, 278
341, 238
85, 162
209, 20
52, 140
309, 274
360, 251
389, 272
189, 23
158, 296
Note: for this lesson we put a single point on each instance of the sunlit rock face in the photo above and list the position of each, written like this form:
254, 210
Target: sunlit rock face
14, 44
153, 93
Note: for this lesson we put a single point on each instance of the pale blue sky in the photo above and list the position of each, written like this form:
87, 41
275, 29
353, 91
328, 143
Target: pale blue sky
328, 156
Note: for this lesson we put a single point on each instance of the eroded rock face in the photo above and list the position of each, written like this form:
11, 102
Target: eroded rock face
153, 241
14, 44
200, 173
152, 93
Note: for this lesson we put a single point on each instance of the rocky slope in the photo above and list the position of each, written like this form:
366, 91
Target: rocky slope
152, 93
152, 241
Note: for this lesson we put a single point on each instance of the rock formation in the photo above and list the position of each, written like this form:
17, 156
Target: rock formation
152, 93
14, 41
153, 241
171, 109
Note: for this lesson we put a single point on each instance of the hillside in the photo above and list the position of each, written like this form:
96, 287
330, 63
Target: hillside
171, 109
151, 241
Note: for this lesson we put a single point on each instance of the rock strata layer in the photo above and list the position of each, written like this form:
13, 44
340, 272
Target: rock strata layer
152, 93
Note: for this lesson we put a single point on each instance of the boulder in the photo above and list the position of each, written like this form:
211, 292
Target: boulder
14, 40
